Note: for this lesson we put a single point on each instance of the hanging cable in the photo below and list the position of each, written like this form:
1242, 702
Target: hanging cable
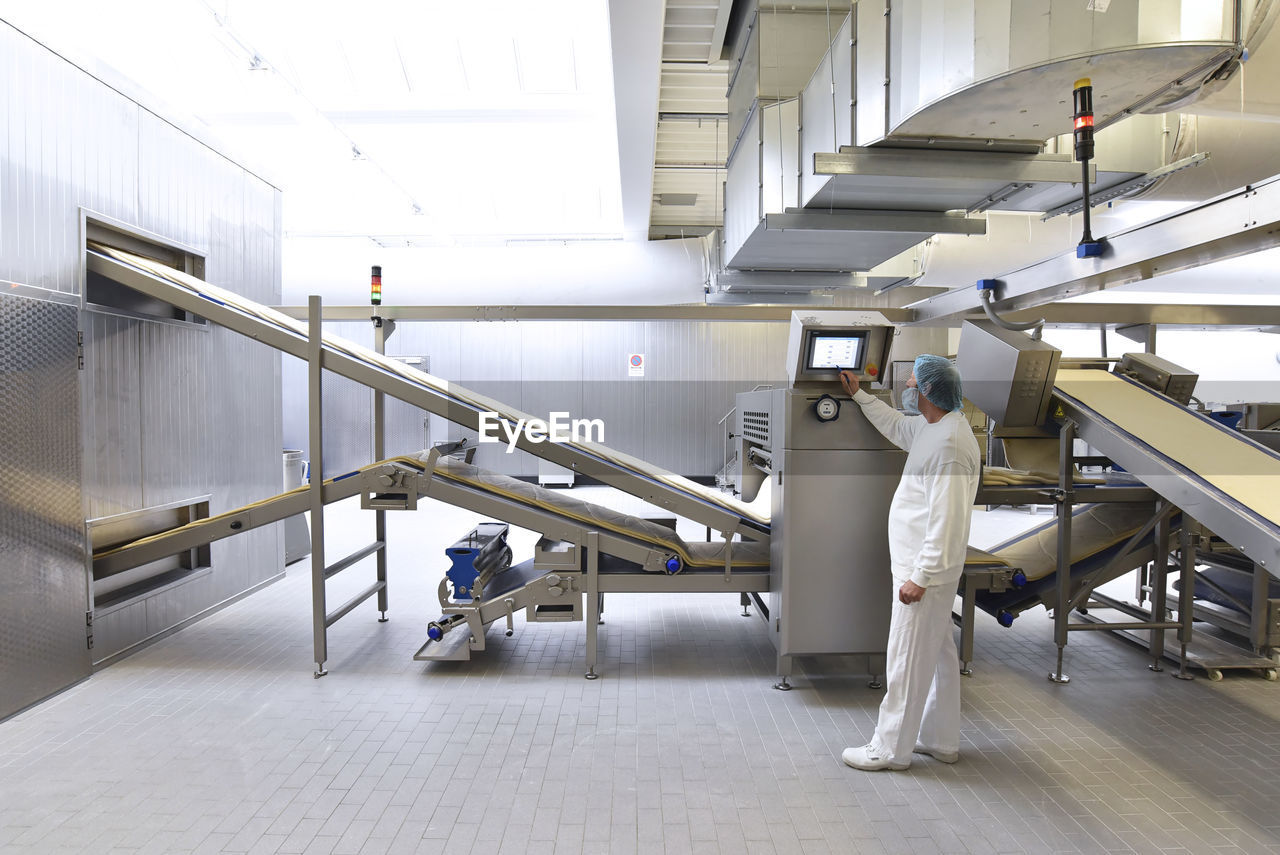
986, 289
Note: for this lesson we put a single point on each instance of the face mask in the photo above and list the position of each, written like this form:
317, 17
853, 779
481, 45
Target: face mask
911, 401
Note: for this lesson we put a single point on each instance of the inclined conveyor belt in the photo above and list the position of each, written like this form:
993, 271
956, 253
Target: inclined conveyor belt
1214, 474
665, 489
629, 537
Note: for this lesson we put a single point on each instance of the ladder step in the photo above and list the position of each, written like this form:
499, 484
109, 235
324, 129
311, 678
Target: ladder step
359, 555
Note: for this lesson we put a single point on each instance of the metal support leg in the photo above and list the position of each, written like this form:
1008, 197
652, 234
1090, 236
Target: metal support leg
380, 534
1258, 610
315, 412
1065, 497
1159, 586
382, 330
1186, 598
746, 601
784, 671
969, 601
593, 601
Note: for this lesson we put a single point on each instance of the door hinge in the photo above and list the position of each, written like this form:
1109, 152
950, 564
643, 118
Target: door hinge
80, 349
88, 628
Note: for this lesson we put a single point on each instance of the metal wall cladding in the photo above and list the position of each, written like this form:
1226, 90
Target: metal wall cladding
170, 411
49, 165
113, 394
438, 344
668, 416
551, 378
490, 356
347, 407
407, 428
693, 373
42, 554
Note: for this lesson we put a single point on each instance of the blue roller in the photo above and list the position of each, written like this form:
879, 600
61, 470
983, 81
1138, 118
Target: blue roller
673, 565
1005, 617
1019, 579
483, 549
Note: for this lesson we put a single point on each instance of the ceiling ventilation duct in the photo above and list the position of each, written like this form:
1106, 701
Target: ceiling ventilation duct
978, 73
925, 114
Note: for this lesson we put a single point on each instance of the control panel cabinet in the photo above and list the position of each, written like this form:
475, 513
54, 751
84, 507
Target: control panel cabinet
833, 479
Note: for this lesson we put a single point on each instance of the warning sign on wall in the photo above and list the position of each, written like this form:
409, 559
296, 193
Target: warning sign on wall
635, 365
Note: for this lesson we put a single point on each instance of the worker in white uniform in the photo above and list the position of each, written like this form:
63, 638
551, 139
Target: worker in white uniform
928, 537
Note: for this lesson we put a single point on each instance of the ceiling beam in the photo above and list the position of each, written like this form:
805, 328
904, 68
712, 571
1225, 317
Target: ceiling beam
1064, 315
1114, 315
635, 28
688, 312
1238, 223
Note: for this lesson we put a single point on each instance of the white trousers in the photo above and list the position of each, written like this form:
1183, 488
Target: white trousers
922, 677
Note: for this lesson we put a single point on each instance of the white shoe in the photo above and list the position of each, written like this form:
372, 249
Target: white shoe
868, 759
940, 756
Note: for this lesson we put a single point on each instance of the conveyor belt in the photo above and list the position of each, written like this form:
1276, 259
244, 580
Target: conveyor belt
1213, 473
680, 495
1098, 533
502, 489
695, 554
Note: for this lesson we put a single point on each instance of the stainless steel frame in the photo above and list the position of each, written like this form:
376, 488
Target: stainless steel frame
1235, 224
1067, 315
1172, 488
1254, 536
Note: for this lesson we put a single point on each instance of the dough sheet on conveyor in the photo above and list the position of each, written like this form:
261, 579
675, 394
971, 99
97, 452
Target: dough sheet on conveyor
1246, 472
1003, 476
975, 557
1094, 528
756, 513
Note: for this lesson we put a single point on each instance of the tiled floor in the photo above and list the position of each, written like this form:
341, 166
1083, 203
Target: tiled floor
217, 739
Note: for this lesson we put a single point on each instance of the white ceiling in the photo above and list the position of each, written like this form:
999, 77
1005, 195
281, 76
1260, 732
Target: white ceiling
475, 124
495, 120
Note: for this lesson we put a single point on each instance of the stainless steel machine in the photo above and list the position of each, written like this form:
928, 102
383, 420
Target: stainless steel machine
831, 477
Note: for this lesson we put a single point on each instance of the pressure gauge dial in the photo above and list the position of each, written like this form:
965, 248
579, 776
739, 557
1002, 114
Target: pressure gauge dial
826, 408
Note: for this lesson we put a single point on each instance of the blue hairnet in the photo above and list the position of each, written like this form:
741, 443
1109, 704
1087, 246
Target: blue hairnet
939, 381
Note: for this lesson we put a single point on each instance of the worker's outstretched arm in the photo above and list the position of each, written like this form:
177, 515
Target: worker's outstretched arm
897, 428
946, 536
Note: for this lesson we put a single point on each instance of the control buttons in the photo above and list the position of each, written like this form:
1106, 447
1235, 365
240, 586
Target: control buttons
826, 408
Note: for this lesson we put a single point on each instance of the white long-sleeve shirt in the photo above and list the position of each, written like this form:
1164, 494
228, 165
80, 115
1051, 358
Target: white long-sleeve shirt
931, 509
